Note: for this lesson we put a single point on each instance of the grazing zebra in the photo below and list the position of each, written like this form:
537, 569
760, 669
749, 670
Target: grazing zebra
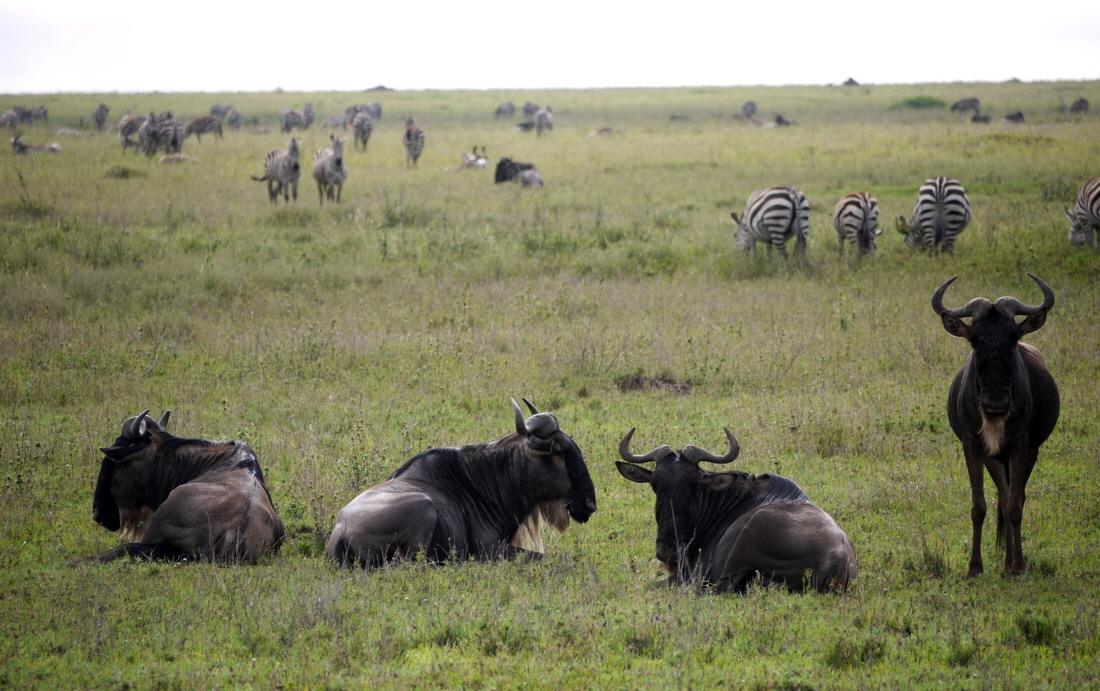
1081, 105
40, 113
99, 116
202, 125
233, 119
149, 134
9, 119
749, 109
941, 213
220, 111
373, 110
1017, 116
329, 171
336, 121
1085, 218
170, 134
544, 120
281, 172
413, 140
505, 110
963, 105
23, 149
307, 113
361, 128
774, 215
856, 220
302, 119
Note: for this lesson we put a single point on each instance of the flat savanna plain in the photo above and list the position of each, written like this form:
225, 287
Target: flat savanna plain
339, 341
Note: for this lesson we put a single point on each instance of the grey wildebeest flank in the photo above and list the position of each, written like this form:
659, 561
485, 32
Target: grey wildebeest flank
184, 498
1003, 404
725, 530
483, 501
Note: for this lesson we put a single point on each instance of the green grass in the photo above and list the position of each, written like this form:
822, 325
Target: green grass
339, 341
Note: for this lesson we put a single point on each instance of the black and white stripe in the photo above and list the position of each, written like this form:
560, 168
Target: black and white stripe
233, 119
21, 148
856, 221
9, 119
302, 119
373, 110
941, 213
204, 124
281, 172
99, 116
361, 127
329, 171
544, 120
1085, 217
774, 215
336, 121
413, 140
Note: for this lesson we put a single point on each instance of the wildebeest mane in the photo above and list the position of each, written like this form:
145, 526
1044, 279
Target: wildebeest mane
777, 489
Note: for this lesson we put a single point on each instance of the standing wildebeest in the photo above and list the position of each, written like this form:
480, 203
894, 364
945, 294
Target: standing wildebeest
966, 104
1002, 406
484, 501
1081, 105
178, 498
749, 109
99, 116
505, 110
724, 530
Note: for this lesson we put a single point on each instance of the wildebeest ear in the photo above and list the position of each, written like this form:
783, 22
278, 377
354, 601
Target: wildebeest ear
163, 422
719, 481
633, 472
955, 326
1034, 322
116, 453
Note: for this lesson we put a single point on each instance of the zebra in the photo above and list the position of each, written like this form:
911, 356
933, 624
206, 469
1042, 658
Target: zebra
373, 110
530, 109
1081, 105
336, 121
149, 134
329, 171
1085, 217
19, 147
856, 220
9, 119
942, 212
128, 126
40, 113
219, 110
233, 119
307, 114
302, 119
204, 124
281, 172
1017, 116
505, 110
413, 140
361, 128
99, 116
774, 215
963, 105
544, 120
170, 134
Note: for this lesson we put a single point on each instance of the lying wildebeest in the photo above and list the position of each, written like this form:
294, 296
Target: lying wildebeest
483, 501
507, 169
178, 498
1002, 406
1017, 116
725, 530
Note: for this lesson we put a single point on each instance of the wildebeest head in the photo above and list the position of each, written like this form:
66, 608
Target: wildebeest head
687, 495
544, 440
135, 446
993, 334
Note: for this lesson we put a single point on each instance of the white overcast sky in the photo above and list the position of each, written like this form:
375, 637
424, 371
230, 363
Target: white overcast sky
88, 46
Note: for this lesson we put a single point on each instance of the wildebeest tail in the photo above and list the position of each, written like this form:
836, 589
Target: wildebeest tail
342, 553
832, 577
141, 550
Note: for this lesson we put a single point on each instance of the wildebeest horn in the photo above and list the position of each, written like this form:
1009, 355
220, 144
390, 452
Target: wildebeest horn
695, 454
534, 410
162, 423
134, 428
521, 428
654, 455
1011, 307
975, 308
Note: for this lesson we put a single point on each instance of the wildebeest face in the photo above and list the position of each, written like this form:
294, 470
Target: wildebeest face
135, 444
544, 440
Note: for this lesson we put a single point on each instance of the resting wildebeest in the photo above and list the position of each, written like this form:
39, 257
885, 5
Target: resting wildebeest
1002, 406
483, 501
178, 498
724, 530
507, 169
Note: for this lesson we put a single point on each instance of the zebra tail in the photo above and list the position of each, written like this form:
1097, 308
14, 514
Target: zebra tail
259, 179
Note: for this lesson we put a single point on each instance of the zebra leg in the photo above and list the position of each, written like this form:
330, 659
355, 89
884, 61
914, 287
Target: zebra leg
320, 193
295, 183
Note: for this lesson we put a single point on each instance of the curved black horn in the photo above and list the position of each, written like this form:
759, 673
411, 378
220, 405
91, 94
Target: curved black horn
534, 410
521, 429
975, 308
134, 428
695, 454
654, 455
1011, 307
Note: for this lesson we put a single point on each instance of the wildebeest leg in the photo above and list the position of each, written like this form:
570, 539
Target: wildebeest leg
976, 470
998, 473
1020, 469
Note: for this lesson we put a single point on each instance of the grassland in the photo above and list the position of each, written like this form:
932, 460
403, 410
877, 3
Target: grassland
338, 341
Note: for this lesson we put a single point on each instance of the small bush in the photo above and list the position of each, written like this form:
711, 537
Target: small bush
919, 103
1037, 629
847, 653
121, 172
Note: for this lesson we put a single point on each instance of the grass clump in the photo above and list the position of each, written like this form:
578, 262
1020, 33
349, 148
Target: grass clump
124, 172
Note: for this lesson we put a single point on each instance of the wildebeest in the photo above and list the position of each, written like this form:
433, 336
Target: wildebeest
507, 169
530, 109
1016, 116
725, 530
505, 110
963, 105
1081, 105
1002, 406
483, 501
749, 109
980, 119
181, 498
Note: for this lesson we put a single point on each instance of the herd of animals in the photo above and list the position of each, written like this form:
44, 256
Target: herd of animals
773, 216
177, 498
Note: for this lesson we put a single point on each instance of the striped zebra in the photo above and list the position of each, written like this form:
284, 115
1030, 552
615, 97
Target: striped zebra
233, 119
505, 110
942, 212
774, 215
204, 124
856, 220
1085, 217
302, 119
329, 171
413, 140
21, 148
336, 121
99, 116
149, 134
965, 104
544, 120
170, 134
361, 128
9, 119
281, 172
373, 110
